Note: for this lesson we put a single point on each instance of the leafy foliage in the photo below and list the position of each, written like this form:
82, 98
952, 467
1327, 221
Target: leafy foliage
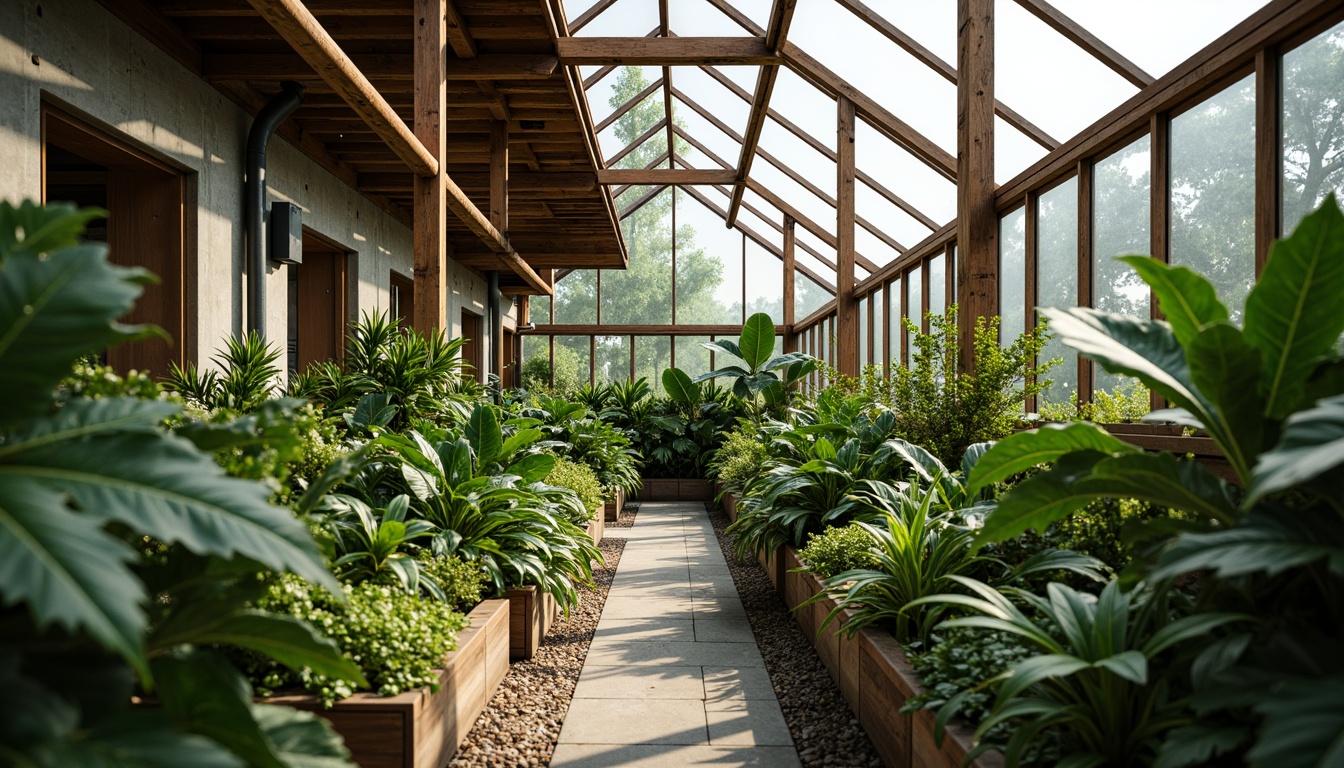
739, 459
247, 376
580, 479
837, 550
768, 380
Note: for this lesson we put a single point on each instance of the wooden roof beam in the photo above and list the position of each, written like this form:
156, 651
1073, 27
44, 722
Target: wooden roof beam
630, 104
640, 139
459, 38
781, 16
590, 14
1081, 37
383, 67
660, 51
664, 176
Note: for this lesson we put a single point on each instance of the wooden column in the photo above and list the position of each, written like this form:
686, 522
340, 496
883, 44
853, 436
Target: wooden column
977, 223
790, 244
846, 308
499, 176
429, 215
1268, 155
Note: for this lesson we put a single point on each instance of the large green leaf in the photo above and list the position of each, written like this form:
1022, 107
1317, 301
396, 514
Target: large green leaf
67, 569
1293, 314
301, 739
1227, 370
679, 386
1041, 499
207, 696
1188, 301
52, 311
1144, 349
1024, 450
1311, 449
484, 435
757, 341
1303, 726
1264, 542
142, 739
287, 639
532, 467
37, 229
161, 486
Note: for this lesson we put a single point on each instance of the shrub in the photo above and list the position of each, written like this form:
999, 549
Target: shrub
92, 379
397, 639
946, 410
581, 479
1126, 403
537, 374
462, 582
740, 458
837, 550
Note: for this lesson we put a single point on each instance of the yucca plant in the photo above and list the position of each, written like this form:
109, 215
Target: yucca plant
246, 376
1101, 675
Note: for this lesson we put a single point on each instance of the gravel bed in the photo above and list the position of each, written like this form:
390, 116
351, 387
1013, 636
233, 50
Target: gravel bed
824, 729
522, 722
626, 518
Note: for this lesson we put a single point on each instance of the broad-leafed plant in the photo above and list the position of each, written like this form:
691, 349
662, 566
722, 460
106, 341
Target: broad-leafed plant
125, 551
1270, 393
764, 378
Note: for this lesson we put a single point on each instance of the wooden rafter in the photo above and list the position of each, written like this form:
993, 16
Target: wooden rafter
947, 71
654, 163
781, 16
640, 139
660, 51
590, 14
641, 176
385, 68
459, 38
1081, 37
629, 105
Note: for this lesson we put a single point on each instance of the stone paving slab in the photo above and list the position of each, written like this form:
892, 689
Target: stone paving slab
673, 676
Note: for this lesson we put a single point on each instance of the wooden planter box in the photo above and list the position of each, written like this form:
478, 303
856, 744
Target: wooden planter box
773, 563
730, 506
876, 679
612, 511
531, 612
420, 729
676, 489
597, 528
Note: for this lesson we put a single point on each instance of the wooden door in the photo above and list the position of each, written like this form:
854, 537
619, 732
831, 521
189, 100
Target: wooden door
508, 359
473, 351
319, 302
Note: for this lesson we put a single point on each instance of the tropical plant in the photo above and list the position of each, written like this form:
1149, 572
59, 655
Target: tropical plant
763, 375
1099, 675
125, 551
580, 479
371, 544
738, 460
1270, 394
836, 550
246, 375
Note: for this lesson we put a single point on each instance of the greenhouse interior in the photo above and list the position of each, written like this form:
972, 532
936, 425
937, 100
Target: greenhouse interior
596, 383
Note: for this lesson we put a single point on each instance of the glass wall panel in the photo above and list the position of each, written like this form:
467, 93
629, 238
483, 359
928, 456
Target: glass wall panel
808, 296
1121, 222
536, 361
863, 332
1213, 191
572, 356
1012, 276
952, 271
894, 325
879, 325
641, 294
1313, 144
914, 302
613, 358
709, 266
576, 298
1057, 278
653, 355
539, 309
765, 282
937, 285
691, 357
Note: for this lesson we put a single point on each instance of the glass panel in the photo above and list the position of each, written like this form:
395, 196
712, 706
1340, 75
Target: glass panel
1121, 222
808, 295
613, 358
539, 309
572, 355
937, 285
894, 322
879, 325
536, 361
1213, 191
914, 302
1057, 278
952, 271
863, 332
1313, 144
691, 357
641, 294
765, 289
709, 266
653, 355
576, 298
1012, 276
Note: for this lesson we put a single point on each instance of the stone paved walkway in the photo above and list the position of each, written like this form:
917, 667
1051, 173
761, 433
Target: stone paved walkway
673, 676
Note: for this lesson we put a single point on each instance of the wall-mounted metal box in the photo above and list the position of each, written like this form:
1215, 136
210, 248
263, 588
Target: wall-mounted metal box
286, 233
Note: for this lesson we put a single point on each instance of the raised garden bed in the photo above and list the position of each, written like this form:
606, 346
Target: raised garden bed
611, 512
675, 489
876, 679
730, 506
422, 729
531, 612
597, 528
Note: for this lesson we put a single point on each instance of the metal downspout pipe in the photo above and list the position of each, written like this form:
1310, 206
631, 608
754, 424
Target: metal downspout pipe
254, 198
493, 302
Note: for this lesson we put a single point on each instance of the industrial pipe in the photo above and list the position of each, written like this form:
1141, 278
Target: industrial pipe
254, 198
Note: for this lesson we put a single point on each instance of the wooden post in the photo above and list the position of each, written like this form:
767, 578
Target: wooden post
977, 223
846, 308
429, 216
499, 176
790, 244
1268, 156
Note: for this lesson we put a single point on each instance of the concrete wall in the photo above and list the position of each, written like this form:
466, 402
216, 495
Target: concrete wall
77, 54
